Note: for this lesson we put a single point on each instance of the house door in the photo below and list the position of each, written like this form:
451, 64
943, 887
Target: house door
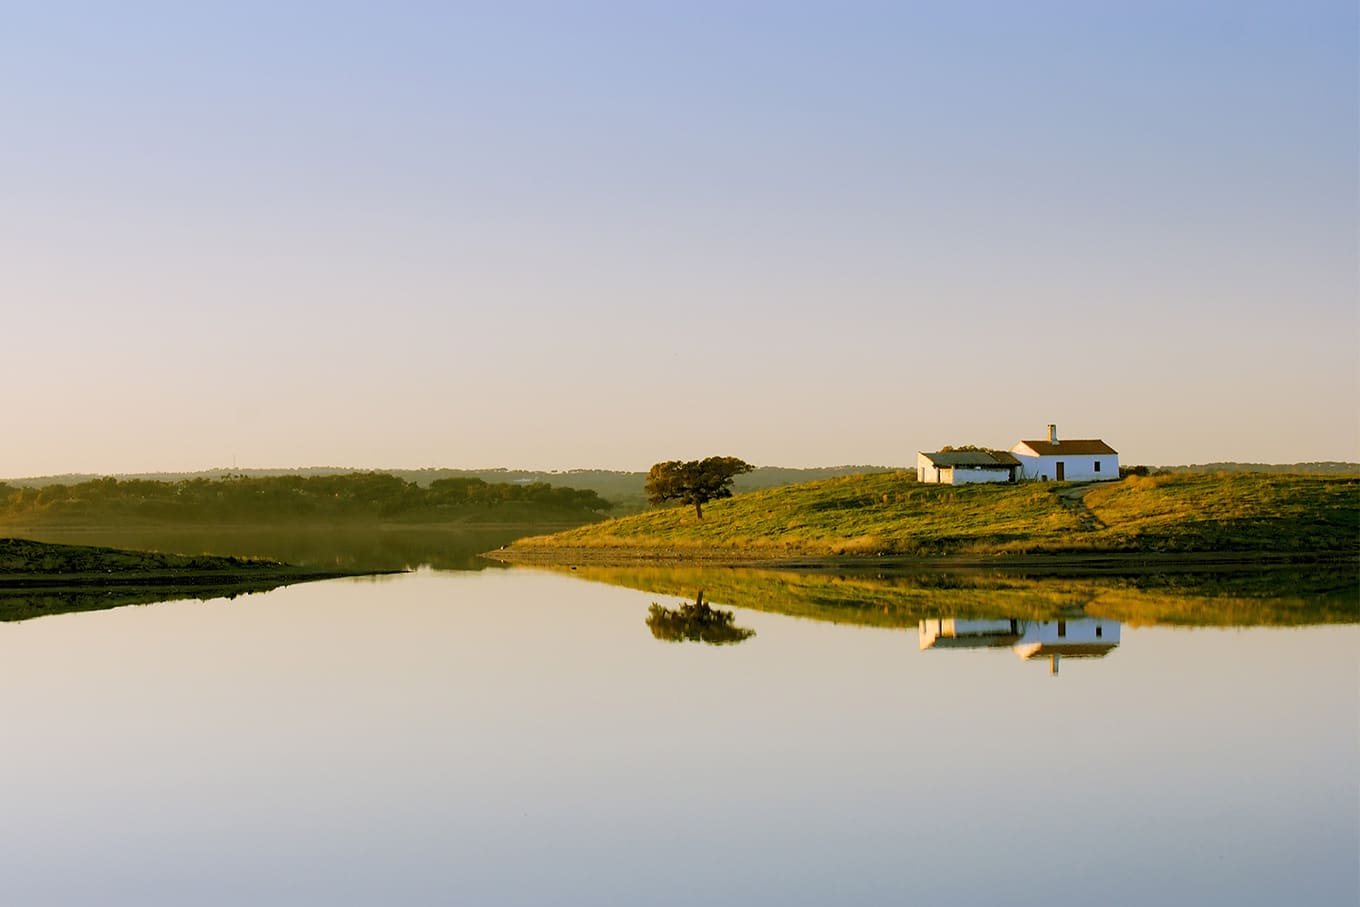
1059, 466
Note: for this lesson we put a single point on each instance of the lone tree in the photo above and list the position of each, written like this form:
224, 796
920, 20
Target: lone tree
694, 481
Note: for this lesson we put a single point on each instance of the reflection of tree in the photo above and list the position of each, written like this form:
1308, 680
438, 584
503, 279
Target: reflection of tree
695, 623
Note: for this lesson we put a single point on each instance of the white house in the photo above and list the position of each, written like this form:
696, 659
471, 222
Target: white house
1066, 460
957, 467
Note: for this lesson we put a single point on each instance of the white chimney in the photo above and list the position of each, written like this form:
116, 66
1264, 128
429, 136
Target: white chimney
1053, 434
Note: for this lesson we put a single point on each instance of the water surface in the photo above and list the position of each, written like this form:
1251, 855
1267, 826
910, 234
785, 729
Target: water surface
521, 737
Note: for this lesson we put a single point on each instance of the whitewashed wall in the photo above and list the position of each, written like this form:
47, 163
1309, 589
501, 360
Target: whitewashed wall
1076, 468
925, 470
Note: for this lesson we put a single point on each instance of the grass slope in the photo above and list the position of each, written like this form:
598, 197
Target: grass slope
892, 514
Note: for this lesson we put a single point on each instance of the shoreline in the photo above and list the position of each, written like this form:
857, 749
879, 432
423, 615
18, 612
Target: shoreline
31, 566
1037, 564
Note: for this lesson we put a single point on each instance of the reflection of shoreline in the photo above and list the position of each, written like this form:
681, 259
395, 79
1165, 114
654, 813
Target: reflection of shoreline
1085, 637
26, 604
1274, 598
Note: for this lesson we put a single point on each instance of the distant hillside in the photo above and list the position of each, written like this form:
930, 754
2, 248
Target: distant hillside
624, 490
1320, 468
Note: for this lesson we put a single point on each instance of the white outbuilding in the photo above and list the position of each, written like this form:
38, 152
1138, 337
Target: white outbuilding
959, 467
1070, 461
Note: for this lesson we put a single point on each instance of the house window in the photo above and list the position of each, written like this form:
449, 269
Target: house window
1100, 631
1062, 628
1097, 466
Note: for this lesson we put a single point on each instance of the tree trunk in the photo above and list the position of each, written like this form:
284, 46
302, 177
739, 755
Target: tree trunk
699, 509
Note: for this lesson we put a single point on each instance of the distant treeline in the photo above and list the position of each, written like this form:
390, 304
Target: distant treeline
352, 495
624, 490
1318, 468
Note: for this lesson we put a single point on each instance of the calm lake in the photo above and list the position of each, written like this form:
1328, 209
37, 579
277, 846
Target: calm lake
520, 736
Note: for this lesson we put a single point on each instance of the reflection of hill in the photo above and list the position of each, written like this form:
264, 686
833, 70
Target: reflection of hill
904, 601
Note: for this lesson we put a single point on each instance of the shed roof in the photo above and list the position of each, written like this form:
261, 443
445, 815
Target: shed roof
1044, 447
984, 458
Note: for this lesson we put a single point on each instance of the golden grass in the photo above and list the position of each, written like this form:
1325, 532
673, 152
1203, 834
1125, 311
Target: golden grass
890, 513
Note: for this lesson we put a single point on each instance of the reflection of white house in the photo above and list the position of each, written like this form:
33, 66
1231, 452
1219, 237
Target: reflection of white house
955, 633
957, 467
1082, 460
1084, 637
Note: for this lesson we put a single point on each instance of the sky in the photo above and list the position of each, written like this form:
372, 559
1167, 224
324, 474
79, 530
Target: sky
599, 235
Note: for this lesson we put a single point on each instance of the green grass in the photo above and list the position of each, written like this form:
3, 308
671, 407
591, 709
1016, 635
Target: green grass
892, 514
1230, 512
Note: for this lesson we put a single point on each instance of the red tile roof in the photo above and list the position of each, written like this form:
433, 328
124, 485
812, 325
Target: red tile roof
1044, 447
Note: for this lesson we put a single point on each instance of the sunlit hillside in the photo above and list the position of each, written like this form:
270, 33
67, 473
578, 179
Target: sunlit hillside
890, 513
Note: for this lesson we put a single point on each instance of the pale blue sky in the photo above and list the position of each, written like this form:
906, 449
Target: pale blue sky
603, 234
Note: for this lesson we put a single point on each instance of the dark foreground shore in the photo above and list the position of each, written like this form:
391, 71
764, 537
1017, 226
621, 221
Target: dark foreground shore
26, 564
1059, 564
39, 579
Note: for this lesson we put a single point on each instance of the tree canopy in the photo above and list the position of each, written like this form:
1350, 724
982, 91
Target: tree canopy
368, 495
694, 481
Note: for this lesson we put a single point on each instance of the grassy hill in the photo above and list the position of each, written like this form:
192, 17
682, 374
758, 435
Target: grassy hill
891, 514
